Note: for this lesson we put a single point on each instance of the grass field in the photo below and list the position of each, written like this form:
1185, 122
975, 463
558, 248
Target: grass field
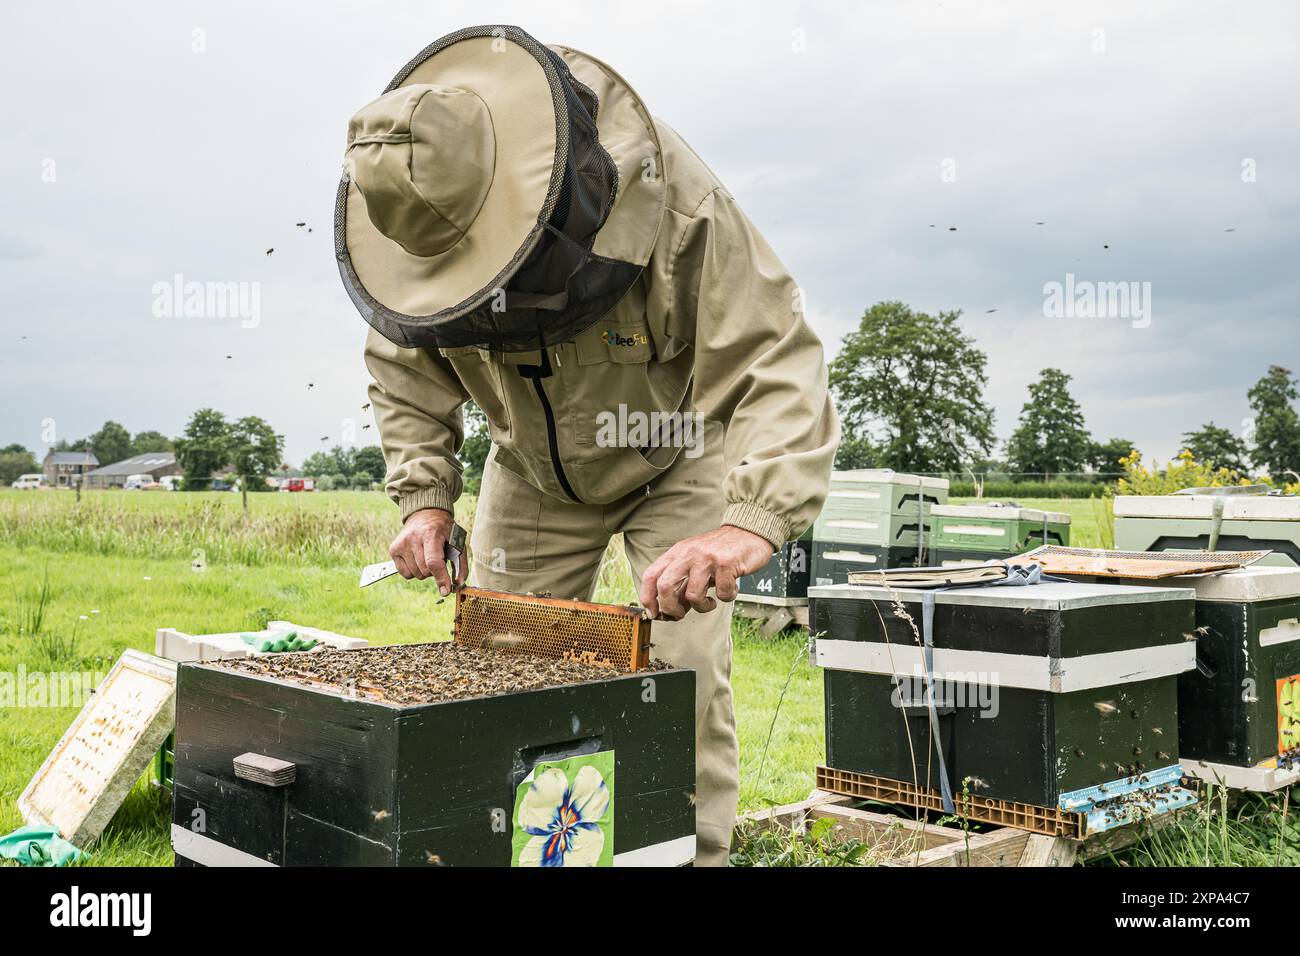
122, 564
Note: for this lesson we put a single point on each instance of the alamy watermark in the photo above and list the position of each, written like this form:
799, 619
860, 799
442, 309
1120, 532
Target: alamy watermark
1085, 299
951, 689
636, 429
181, 299
37, 689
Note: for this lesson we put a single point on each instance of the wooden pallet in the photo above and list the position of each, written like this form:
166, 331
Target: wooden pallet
900, 841
773, 618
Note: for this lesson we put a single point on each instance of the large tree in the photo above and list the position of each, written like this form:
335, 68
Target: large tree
148, 441
913, 385
1277, 427
1104, 456
254, 450
1219, 447
204, 448
478, 441
1051, 437
856, 453
112, 443
16, 460
369, 462
337, 461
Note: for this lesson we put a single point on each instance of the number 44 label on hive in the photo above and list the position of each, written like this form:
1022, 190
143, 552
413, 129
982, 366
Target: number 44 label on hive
564, 813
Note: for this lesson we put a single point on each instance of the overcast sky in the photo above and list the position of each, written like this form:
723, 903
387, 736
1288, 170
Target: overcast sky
135, 149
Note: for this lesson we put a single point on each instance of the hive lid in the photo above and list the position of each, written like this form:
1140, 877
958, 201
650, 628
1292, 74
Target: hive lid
1049, 596
103, 752
887, 476
1000, 512
1244, 585
1235, 507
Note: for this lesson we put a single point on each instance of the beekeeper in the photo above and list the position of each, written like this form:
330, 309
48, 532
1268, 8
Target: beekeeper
518, 230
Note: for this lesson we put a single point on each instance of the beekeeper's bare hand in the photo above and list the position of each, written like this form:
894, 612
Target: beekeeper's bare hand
679, 581
418, 551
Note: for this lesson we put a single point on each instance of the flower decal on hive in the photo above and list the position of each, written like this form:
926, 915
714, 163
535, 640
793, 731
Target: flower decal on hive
565, 815
1288, 714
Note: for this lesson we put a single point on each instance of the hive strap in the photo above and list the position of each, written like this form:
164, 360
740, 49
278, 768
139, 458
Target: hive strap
1017, 576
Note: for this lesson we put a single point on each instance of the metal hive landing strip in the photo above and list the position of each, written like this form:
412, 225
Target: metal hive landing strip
606, 635
1149, 565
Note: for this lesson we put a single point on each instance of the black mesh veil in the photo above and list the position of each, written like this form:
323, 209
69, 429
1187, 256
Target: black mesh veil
554, 287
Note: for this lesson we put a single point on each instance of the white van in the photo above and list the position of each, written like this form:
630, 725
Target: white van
136, 482
171, 482
28, 482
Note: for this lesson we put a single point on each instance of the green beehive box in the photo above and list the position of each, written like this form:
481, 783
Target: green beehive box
1188, 522
882, 530
1043, 692
1239, 710
981, 532
881, 491
784, 579
878, 507
832, 561
378, 782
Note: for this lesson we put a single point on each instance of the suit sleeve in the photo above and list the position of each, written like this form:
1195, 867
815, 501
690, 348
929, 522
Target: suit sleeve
759, 369
417, 401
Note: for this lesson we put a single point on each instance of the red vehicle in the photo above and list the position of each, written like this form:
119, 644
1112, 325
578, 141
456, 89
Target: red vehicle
297, 484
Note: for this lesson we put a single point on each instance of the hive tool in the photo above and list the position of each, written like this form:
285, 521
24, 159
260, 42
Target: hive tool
453, 552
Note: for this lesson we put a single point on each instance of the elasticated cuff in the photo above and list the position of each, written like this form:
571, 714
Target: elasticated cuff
760, 521
434, 497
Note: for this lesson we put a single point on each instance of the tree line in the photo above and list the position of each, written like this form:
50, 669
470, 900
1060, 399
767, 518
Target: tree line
909, 388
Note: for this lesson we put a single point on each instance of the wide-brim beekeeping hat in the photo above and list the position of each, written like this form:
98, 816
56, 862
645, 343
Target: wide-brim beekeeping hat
499, 194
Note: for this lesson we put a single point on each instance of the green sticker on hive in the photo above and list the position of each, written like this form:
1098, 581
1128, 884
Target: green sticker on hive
564, 813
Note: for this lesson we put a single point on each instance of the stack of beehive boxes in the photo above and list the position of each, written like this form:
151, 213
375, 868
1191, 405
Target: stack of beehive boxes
873, 519
969, 534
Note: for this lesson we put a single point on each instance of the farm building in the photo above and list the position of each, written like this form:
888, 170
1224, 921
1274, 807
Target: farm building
156, 464
61, 468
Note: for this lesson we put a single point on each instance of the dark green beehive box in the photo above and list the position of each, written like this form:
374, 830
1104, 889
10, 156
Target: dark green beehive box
1042, 690
1239, 709
833, 560
1240, 705
784, 579
382, 784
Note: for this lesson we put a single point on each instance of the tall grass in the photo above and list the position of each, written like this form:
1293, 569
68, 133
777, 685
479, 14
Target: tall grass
1224, 829
49, 648
329, 530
